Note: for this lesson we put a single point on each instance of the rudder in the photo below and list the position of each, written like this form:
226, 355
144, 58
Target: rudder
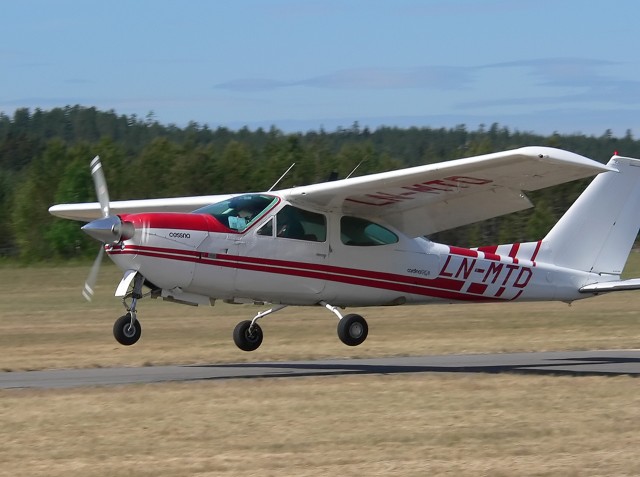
597, 232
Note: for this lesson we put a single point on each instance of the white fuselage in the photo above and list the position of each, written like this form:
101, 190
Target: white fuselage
192, 262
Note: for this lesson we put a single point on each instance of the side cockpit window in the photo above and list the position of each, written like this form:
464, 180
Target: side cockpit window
299, 224
239, 212
364, 233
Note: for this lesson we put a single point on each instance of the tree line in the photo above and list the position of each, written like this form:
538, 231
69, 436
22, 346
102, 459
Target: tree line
44, 157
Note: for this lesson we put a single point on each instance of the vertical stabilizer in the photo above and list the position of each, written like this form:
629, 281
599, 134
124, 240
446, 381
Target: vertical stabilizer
596, 234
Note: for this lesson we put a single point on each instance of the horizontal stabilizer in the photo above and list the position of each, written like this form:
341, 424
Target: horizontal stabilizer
617, 285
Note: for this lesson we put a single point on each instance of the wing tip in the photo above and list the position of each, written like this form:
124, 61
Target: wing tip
555, 155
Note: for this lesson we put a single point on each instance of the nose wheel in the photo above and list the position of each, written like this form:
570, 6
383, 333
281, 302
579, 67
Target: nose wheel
127, 330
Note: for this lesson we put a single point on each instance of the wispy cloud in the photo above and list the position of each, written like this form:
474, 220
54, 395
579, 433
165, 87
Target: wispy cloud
559, 71
374, 78
253, 84
549, 72
432, 77
587, 78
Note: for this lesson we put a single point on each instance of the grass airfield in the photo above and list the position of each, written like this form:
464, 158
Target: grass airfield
462, 424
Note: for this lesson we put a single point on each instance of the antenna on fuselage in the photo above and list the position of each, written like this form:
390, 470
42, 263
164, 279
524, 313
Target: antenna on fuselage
281, 177
354, 169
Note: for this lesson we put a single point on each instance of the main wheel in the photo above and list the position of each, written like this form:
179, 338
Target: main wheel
352, 330
125, 332
246, 337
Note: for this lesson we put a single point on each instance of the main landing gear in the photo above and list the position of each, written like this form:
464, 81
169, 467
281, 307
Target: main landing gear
352, 328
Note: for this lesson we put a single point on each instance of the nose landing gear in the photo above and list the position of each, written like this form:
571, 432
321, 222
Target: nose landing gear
127, 329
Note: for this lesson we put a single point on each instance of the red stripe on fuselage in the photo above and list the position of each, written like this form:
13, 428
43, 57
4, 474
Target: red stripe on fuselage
446, 283
444, 288
492, 257
535, 252
489, 249
465, 252
513, 253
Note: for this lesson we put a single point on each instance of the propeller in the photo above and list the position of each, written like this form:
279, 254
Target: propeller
100, 184
109, 229
90, 283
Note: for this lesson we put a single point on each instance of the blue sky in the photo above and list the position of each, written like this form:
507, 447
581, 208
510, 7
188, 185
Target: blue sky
533, 65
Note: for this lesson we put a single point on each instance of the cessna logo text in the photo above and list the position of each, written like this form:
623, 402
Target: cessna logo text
179, 235
418, 271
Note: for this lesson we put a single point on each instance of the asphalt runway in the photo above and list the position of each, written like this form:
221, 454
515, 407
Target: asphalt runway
573, 363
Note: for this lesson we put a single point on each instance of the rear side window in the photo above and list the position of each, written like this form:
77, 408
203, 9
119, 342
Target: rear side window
359, 232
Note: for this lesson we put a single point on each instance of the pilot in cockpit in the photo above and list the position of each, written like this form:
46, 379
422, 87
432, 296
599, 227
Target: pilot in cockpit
244, 212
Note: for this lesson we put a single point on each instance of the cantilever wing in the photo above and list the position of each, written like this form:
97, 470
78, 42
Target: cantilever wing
427, 199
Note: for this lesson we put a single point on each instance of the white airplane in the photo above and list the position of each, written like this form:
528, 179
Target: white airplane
361, 241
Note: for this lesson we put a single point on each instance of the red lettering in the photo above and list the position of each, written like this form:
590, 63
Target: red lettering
443, 272
448, 184
387, 197
441, 183
469, 180
494, 269
511, 268
361, 200
422, 188
522, 280
466, 268
392, 197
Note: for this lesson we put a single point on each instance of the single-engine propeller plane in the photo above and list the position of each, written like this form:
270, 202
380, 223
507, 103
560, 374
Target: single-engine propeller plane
361, 242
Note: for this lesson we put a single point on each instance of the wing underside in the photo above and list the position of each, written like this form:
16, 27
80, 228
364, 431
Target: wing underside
427, 199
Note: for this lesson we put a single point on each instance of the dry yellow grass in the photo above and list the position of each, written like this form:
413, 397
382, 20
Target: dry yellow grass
458, 425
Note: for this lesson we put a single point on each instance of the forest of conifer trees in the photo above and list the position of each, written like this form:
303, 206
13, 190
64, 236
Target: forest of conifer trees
44, 157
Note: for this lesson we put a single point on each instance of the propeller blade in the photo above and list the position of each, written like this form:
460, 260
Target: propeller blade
90, 284
100, 184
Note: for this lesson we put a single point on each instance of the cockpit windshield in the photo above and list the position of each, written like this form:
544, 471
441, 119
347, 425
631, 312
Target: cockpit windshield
241, 211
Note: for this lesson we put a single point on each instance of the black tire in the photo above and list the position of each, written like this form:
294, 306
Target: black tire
124, 332
245, 340
352, 329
